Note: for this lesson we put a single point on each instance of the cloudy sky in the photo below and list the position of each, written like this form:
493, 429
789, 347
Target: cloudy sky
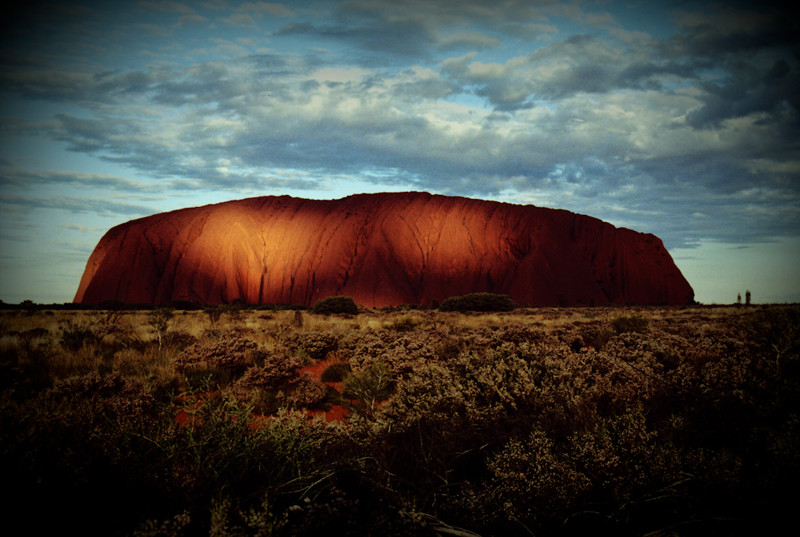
678, 119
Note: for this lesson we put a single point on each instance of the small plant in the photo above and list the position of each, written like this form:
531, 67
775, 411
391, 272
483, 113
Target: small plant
405, 323
594, 337
159, 322
185, 305
776, 331
629, 323
76, 334
214, 314
370, 386
306, 393
277, 371
315, 345
229, 355
336, 304
233, 310
478, 302
335, 372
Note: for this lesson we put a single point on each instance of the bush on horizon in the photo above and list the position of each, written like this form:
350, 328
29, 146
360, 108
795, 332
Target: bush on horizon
478, 302
335, 304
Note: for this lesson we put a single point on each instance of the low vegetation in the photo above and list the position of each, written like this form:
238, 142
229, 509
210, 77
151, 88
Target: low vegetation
559, 421
336, 304
478, 302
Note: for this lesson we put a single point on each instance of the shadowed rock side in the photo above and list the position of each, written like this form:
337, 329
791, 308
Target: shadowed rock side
380, 249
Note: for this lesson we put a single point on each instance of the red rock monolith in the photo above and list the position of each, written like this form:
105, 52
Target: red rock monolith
380, 249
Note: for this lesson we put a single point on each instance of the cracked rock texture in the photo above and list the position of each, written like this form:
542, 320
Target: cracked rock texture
380, 249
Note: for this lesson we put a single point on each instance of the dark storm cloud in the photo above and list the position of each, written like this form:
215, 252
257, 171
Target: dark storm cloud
759, 66
748, 89
385, 30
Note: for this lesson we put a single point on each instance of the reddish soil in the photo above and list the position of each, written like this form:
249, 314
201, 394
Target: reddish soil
192, 403
334, 413
316, 370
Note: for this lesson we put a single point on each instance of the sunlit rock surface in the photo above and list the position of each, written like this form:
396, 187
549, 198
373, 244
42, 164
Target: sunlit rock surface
380, 249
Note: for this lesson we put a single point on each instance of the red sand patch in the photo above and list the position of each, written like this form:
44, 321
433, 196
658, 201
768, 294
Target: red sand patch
336, 412
316, 370
194, 401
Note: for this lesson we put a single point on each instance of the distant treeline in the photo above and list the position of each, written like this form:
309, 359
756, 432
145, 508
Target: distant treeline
186, 305
473, 302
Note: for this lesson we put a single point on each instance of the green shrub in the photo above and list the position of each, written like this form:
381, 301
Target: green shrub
214, 313
478, 302
76, 334
335, 372
336, 304
776, 332
592, 336
159, 322
277, 371
369, 387
533, 478
630, 323
185, 305
315, 345
406, 323
223, 360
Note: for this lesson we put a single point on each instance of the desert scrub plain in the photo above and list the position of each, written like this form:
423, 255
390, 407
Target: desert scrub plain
228, 422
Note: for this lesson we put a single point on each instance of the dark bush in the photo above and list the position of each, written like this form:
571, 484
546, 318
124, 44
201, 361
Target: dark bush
335, 372
276, 372
225, 358
776, 332
592, 336
478, 302
316, 345
307, 393
406, 323
112, 305
185, 305
336, 304
369, 387
630, 323
179, 340
76, 334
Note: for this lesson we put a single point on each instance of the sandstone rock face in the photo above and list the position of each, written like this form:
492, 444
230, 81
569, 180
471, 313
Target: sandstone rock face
380, 249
